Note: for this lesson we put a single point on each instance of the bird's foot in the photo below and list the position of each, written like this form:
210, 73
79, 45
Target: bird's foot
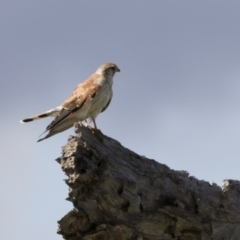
89, 127
92, 129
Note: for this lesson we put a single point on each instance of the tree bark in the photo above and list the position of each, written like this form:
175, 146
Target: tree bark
119, 195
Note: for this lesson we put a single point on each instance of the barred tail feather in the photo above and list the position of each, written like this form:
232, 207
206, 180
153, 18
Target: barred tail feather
50, 113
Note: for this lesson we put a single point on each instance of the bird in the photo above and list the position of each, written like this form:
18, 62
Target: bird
88, 99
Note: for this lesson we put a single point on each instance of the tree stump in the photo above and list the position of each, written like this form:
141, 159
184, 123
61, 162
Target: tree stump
120, 195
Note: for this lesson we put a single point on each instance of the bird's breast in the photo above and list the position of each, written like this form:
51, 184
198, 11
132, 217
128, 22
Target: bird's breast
101, 100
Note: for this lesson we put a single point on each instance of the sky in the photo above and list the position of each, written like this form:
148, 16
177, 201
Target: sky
176, 99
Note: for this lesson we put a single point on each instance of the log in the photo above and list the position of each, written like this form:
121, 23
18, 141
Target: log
118, 194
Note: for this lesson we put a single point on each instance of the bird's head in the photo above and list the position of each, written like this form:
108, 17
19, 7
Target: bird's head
108, 69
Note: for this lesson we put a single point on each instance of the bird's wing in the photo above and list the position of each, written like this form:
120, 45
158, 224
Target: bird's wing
83, 94
104, 108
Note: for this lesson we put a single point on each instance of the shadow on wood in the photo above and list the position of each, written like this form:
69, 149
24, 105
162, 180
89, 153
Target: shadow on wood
120, 195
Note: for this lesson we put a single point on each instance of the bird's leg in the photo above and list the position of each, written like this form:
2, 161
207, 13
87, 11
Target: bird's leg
95, 127
86, 124
94, 123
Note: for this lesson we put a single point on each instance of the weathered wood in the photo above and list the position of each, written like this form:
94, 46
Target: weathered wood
119, 195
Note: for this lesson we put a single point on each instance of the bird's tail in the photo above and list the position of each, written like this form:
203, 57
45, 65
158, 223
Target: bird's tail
50, 113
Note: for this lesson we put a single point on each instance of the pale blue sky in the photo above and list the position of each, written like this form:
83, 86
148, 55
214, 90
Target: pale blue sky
176, 99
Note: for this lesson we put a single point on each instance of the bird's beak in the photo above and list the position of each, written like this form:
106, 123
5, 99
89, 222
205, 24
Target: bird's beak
117, 69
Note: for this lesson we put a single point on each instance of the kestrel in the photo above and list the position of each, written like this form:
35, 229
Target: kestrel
89, 98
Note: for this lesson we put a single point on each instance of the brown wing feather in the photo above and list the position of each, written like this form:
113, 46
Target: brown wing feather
83, 94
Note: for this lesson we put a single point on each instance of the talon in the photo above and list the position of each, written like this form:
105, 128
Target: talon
88, 126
